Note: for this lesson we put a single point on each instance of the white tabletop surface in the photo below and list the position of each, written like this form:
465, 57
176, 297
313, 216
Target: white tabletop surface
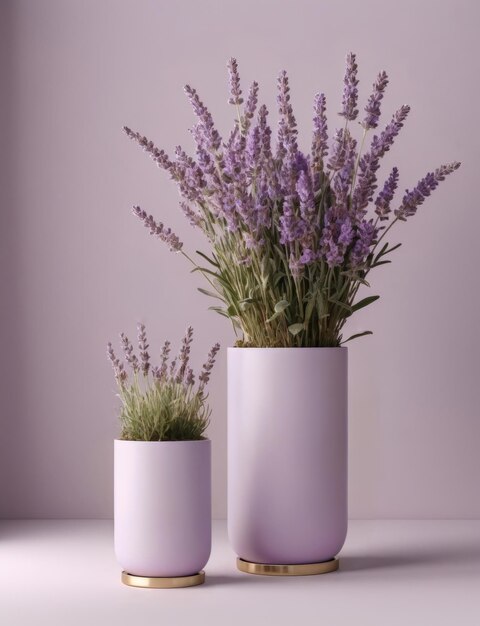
391, 573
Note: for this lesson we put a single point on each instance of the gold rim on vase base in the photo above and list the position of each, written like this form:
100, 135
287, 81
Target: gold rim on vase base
151, 582
303, 569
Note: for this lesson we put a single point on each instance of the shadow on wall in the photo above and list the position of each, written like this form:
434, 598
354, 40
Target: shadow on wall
12, 364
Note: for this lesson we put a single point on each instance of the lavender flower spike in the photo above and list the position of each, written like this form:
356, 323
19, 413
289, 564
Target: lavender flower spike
250, 106
350, 90
209, 134
118, 368
184, 355
385, 197
159, 230
235, 90
159, 156
413, 199
204, 376
162, 370
194, 218
383, 143
143, 347
339, 150
372, 108
130, 356
320, 134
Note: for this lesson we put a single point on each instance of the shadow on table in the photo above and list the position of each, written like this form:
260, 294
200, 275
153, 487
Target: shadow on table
443, 556
228, 579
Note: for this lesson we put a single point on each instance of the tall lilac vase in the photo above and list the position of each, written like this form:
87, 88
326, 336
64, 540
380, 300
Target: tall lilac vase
287, 454
162, 507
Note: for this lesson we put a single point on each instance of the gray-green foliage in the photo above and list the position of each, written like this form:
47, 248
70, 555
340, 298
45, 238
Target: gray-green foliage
162, 411
161, 403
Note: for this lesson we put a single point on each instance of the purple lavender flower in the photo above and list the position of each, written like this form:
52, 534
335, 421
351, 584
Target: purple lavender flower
370, 162
130, 356
265, 134
250, 106
235, 90
194, 218
413, 199
350, 90
143, 348
204, 376
385, 197
253, 149
366, 183
291, 226
184, 355
372, 109
159, 156
345, 235
159, 230
383, 143
162, 370
337, 235
305, 194
365, 236
208, 136
331, 251
343, 177
189, 176
118, 367
287, 147
338, 153
320, 133
189, 377
308, 256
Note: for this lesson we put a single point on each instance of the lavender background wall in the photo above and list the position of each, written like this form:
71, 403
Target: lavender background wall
77, 268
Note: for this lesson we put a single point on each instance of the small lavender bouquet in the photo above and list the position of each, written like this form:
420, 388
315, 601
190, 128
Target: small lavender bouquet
161, 403
293, 236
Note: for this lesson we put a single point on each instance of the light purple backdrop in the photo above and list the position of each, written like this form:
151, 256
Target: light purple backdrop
77, 267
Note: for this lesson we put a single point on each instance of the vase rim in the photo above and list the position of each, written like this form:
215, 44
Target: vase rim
290, 348
183, 441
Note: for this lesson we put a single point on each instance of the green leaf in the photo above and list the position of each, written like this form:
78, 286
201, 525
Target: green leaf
309, 310
366, 332
232, 311
385, 250
341, 304
364, 302
321, 308
209, 293
207, 258
381, 263
295, 328
354, 276
219, 310
281, 306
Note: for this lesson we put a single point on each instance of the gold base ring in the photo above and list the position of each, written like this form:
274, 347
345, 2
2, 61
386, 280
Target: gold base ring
303, 569
151, 582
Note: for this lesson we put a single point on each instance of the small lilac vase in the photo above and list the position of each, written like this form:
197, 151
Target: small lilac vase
162, 507
287, 453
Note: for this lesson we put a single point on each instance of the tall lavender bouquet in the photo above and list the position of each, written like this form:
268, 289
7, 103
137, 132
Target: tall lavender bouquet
293, 236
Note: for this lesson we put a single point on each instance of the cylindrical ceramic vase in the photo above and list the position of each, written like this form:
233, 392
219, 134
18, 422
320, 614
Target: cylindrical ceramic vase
162, 507
287, 454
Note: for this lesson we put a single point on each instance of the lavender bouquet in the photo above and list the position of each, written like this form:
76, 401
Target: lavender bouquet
161, 403
293, 236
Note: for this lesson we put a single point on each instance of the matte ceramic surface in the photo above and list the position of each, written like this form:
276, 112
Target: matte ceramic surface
162, 507
287, 453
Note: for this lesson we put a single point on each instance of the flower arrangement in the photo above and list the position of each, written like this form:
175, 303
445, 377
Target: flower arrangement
161, 403
293, 236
